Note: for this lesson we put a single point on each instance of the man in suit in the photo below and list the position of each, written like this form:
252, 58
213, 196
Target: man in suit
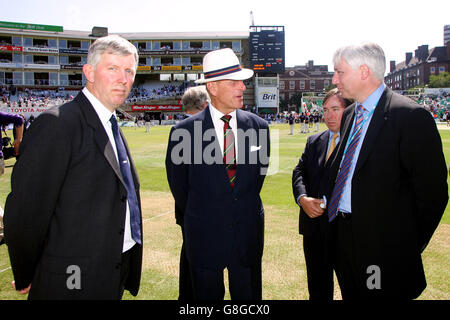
310, 185
194, 100
216, 167
388, 180
73, 217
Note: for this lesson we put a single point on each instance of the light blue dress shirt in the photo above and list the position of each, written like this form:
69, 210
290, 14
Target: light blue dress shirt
345, 204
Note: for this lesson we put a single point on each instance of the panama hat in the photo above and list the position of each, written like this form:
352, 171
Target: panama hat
223, 64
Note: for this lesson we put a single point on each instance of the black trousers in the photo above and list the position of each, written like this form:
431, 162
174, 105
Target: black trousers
347, 274
186, 292
245, 282
319, 267
124, 270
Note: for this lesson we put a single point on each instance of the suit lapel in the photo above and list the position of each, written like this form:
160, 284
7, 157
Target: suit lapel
100, 136
376, 124
322, 147
244, 145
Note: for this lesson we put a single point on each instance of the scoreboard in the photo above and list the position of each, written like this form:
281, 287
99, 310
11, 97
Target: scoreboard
267, 49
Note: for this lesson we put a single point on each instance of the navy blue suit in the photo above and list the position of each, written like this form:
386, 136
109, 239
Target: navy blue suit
223, 226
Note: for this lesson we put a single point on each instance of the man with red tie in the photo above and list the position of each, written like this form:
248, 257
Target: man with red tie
216, 164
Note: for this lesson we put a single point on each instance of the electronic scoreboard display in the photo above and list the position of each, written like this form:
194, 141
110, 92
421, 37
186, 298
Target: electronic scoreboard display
267, 49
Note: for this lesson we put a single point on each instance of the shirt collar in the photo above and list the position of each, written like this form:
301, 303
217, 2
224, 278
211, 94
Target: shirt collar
103, 113
372, 100
217, 115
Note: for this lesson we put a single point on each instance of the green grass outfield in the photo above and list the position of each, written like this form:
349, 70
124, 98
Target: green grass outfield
284, 270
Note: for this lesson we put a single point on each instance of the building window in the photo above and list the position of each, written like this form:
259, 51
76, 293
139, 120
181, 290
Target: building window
302, 84
432, 70
281, 85
312, 84
291, 85
326, 83
441, 69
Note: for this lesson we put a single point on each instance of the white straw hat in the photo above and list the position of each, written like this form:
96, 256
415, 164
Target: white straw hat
223, 64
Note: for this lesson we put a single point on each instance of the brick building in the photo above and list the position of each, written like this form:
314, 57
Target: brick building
307, 78
417, 68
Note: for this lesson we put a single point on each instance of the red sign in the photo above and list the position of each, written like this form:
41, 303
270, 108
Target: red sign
10, 48
156, 107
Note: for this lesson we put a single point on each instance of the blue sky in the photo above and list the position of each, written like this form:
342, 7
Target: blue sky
313, 29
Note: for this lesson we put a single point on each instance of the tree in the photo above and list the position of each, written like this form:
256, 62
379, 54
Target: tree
296, 100
441, 80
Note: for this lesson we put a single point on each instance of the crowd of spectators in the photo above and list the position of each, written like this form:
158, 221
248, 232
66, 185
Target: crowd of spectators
438, 106
141, 93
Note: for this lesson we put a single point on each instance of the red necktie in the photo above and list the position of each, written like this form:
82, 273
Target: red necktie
229, 152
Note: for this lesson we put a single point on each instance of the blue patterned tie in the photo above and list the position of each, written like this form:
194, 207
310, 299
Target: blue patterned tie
345, 166
135, 217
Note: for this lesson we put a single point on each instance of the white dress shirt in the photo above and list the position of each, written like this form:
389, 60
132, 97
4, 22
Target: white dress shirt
105, 115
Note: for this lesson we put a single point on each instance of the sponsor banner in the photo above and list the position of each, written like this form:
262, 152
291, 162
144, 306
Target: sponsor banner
267, 97
30, 26
156, 107
11, 48
171, 52
70, 67
26, 111
40, 50
41, 66
73, 51
11, 65
171, 68
144, 68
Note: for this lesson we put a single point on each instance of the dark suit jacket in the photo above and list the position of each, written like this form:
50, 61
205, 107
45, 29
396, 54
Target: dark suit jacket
399, 192
214, 215
67, 208
310, 177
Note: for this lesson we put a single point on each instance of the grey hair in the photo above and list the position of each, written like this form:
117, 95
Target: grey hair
370, 54
194, 98
112, 44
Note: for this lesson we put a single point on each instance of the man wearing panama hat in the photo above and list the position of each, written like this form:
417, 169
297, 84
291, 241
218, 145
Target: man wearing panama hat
216, 164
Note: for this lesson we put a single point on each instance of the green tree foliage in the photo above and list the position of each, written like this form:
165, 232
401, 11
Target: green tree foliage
440, 81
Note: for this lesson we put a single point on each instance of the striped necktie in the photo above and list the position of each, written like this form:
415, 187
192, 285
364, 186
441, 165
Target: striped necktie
345, 166
229, 153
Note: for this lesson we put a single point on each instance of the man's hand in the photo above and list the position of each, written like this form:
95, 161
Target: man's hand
16, 146
23, 291
311, 206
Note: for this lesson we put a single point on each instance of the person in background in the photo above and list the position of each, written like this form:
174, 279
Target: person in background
194, 100
310, 185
